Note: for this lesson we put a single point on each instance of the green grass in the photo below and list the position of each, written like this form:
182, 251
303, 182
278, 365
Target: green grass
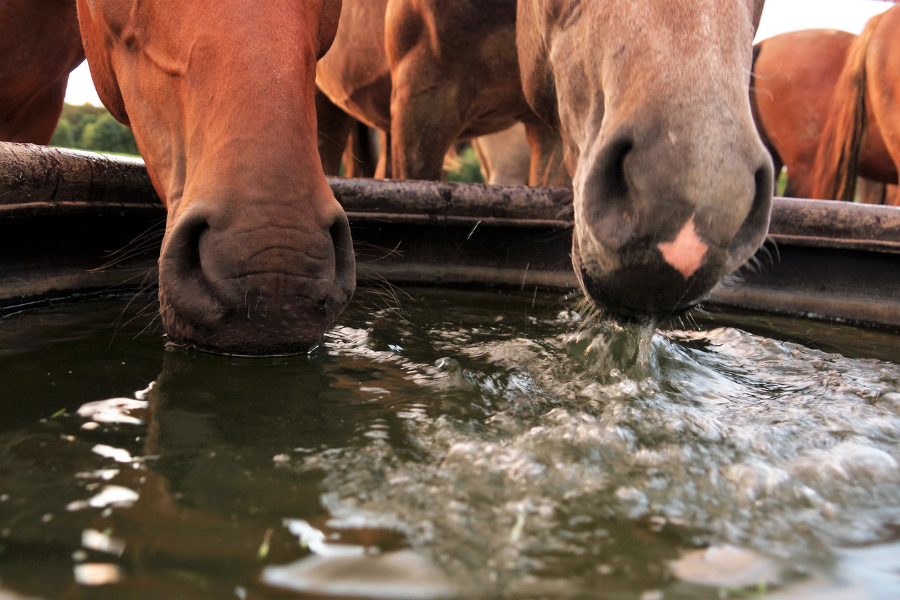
117, 153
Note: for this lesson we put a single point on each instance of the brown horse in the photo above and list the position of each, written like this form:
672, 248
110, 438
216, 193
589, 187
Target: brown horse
345, 143
864, 106
39, 47
257, 256
432, 72
673, 187
794, 78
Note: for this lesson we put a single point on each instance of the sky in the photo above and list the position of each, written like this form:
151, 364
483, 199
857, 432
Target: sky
779, 16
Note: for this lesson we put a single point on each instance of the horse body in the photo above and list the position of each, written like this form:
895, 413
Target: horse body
673, 186
257, 256
793, 86
862, 133
883, 67
430, 73
355, 74
39, 46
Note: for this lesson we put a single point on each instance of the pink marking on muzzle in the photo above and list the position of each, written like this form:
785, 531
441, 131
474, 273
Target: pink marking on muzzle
685, 253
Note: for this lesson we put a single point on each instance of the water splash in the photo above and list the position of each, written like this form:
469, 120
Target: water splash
711, 437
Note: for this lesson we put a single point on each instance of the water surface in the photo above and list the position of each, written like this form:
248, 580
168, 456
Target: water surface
470, 445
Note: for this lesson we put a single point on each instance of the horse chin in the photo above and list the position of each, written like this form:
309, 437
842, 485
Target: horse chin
641, 288
259, 334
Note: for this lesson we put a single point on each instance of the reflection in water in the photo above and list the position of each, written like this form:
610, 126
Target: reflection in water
469, 445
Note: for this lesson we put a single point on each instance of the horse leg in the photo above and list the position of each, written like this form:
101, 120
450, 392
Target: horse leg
484, 159
334, 130
887, 117
425, 119
892, 141
548, 168
40, 44
892, 195
870, 192
33, 121
360, 158
383, 168
800, 183
369, 150
891, 134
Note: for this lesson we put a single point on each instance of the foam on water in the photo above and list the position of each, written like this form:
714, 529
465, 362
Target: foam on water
717, 437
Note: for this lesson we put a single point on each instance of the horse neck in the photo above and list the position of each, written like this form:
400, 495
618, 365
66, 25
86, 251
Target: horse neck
39, 45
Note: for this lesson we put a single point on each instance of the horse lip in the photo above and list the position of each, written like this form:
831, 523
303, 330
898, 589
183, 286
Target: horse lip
629, 314
238, 337
618, 310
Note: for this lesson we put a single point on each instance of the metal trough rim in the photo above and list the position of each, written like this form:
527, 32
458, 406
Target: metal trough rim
38, 182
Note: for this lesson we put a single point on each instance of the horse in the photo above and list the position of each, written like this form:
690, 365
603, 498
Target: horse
504, 156
346, 146
429, 74
794, 80
350, 148
672, 183
874, 192
864, 105
257, 256
361, 151
39, 46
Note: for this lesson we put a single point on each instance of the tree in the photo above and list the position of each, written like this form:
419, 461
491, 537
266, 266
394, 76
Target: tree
108, 135
92, 128
78, 128
63, 135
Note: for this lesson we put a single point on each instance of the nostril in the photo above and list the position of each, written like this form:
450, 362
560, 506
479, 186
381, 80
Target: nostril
188, 252
612, 172
608, 206
181, 255
752, 232
182, 280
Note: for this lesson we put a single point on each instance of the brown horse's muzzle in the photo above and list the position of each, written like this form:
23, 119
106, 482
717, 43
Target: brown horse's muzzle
254, 285
660, 222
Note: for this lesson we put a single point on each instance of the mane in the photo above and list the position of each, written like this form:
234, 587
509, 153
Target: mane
837, 159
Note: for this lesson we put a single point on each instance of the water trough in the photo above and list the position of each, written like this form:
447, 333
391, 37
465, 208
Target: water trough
74, 222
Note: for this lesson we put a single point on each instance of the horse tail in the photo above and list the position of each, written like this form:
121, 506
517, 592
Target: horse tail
837, 159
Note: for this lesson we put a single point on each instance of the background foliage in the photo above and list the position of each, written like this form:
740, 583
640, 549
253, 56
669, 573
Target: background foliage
88, 127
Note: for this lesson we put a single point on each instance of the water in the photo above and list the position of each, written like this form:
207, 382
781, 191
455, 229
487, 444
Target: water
463, 445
